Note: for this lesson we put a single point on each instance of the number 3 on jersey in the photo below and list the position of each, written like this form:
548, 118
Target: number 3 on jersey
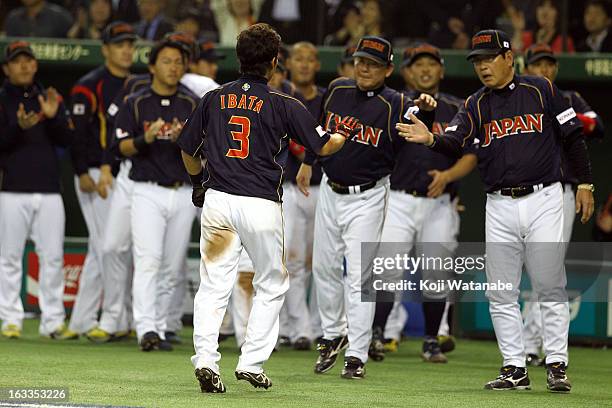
241, 136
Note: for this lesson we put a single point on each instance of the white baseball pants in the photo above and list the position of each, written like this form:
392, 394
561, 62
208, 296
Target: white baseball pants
229, 224
40, 217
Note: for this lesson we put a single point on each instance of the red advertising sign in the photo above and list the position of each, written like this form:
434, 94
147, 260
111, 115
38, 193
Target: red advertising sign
73, 265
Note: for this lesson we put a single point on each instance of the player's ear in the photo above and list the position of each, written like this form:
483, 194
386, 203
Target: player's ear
5, 70
442, 71
105, 50
390, 69
274, 63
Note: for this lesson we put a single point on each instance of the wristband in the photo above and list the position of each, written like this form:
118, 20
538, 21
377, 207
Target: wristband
140, 143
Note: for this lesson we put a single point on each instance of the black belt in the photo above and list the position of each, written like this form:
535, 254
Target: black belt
174, 184
522, 191
340, 189
415, 193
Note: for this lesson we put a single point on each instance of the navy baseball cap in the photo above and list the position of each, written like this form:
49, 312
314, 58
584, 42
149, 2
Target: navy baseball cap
184, 41
411, 54
539, 51
375, 48
208, 52
16, 48
118, 31
489, 42
347, 57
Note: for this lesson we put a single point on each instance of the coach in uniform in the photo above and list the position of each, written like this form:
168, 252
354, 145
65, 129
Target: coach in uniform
241, 129
353, 200
146, 130
33, 122
517, 125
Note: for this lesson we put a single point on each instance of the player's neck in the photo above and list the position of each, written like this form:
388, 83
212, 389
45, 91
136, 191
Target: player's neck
117, 71
431, 91
506, 81
309, 91
162, 89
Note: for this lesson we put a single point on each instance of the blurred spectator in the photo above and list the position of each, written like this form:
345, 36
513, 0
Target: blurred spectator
233, 16
597, 23
451, 23
188, 21
547, 30
350, 32
90, 21
294, 20
37, 18
127, 10
346, 67
372, 18
153, 25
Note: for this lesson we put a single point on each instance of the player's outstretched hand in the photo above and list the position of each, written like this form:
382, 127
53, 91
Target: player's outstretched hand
426, 102
585, 203
348, 127
50, 104
416, 132
303, 179
197, 196
105, 182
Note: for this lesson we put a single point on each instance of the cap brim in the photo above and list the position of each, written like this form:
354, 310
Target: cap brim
488, 51
16, 53
540, 56
123, 37
364, 54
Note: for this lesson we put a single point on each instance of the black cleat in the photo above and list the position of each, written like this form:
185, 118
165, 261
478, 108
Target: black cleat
150, 341
209, 380
260, 380
173, 338
302, 343
510, 378
354, 369
165, 345
432, 352
447, 343
533, 360
556, 378
377, 346
328, 352
284, 341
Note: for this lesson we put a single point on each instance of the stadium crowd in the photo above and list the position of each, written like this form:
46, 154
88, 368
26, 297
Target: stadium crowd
443, 23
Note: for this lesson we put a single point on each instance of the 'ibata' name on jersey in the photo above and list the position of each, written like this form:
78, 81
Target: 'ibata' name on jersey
368, 135
251, 102
499, 128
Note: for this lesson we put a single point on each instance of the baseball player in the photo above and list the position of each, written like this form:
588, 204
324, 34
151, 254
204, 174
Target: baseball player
241, 129
353, 199
303, 65
517, 125
202, 69
91, 97
541, 61
146, 129
33, 122
421, 212
346, 67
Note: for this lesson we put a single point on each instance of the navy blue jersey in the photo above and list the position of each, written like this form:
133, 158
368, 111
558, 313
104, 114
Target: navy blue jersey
161, 161
315, 107
28, 158
516, 131
92, 95
369, 155
413, 160
242, 130
576, 101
